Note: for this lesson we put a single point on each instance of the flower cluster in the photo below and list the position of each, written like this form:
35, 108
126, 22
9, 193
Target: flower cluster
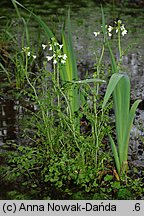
110, 28
26, 50
56, 48
119, 28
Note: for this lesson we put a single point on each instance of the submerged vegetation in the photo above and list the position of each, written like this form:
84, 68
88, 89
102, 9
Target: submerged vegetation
65, 151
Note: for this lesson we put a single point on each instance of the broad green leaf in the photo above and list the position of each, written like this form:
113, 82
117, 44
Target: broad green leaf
69, 72
129, 126
121, 106
115, 78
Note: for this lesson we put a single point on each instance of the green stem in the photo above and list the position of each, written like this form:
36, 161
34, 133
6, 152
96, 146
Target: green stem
42, 110
119, 43
96, 85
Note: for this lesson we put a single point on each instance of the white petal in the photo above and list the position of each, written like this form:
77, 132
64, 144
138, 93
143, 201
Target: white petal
64, 56
122, 28
110, 28
34, 56
50, 48
109, 34
119, 21
55, 61
63, 61
61, 46
60, 56
96, 34
44, 46
124, 32
49, 58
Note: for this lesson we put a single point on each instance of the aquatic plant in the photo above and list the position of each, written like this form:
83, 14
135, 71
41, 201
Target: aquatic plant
119, 87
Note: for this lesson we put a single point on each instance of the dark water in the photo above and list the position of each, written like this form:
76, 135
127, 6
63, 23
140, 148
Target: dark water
85, 19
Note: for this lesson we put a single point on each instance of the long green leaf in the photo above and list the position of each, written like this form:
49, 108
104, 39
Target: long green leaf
65, 72
88, 81
71, 51
16, 8
47, 30
69, 71
115, 78
129, 126
115, 153
26, 33
122, 104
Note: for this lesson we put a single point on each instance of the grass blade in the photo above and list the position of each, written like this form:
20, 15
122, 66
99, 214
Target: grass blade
47, 30
16, 8
115, 153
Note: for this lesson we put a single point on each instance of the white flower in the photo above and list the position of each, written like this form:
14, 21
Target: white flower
63, 61
60, 56
55, 61
122, 28
96, 34
124, 32
61, 46
34, 56
49, 58
25, 49
28, 54
44, 46
50, 47
110, 28
119, 22
56, 43
109, 34
117, 30
64, 57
